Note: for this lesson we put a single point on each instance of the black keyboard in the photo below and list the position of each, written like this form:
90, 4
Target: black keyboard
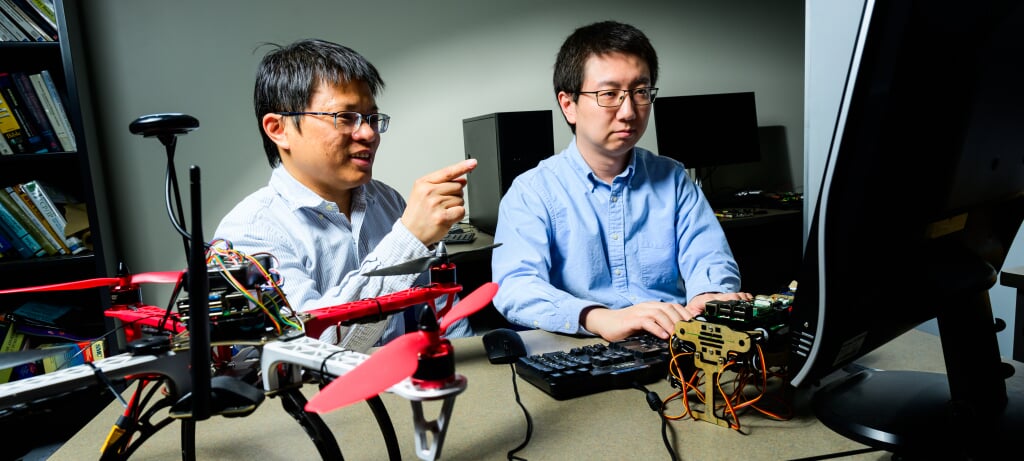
456, 234
597, 367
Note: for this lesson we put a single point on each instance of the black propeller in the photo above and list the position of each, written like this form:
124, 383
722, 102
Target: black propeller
419, 265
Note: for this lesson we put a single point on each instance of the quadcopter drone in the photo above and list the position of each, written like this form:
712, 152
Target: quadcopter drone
235, 300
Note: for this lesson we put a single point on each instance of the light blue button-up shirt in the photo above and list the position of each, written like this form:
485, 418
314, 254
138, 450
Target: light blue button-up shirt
321, 254
570, 241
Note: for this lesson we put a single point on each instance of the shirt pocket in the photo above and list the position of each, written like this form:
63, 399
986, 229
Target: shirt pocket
657, 260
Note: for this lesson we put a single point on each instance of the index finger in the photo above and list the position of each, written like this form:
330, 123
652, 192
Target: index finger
451, 172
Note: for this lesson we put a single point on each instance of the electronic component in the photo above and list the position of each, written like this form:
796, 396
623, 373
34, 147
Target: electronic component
597, 367
234, 314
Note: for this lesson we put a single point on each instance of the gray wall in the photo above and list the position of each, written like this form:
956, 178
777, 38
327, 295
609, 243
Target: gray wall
442, 61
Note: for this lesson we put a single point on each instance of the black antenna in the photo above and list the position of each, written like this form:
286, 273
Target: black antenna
199, 307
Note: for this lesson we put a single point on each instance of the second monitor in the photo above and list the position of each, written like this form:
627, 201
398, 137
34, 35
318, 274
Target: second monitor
505, 145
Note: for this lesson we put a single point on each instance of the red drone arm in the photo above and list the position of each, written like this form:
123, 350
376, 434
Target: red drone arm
325, 317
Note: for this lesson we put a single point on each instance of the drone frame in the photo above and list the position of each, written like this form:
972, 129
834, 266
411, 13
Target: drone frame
191, 389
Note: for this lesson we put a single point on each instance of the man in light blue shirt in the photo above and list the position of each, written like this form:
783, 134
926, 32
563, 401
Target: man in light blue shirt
322, 216
606, 238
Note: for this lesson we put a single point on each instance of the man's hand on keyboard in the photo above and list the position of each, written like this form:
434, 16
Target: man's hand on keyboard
655, 317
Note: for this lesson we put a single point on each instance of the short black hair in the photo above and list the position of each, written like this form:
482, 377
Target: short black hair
288, 76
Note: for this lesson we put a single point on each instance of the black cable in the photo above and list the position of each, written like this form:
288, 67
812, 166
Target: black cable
529, 420
171, 187
654, 402
840, 454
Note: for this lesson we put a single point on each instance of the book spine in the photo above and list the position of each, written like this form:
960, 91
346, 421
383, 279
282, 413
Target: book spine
12, 341
8, 124
25, 22
35, 222
45, 217
59, 106
36, 111
45, 9
33, 143
27, 220
6, 246
14, 140
38, 194
14, 33
29, 247
43, 20
50, 109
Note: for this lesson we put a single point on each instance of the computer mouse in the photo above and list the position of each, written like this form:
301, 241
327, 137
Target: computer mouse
503, 346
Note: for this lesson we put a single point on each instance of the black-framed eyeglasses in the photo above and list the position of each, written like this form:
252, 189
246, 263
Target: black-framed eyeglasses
378, 122
613, 98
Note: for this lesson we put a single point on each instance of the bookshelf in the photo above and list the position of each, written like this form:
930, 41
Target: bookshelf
78, 174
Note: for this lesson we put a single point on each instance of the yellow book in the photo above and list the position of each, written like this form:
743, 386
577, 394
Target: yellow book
10, 129
13, 340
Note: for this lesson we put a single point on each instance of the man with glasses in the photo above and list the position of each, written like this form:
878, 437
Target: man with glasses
322, 216
606, 238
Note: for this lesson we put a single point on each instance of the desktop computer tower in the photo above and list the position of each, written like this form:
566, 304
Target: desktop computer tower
504, 144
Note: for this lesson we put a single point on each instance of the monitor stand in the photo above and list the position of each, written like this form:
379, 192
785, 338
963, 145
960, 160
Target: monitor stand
974, 411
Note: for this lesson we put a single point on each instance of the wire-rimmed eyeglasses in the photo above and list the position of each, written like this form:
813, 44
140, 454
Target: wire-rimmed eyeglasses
378, 122
613, 98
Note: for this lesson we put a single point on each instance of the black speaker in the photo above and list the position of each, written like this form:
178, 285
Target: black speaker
504, 144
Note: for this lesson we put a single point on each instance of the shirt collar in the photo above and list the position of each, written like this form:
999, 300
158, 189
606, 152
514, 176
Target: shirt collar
298, 196
581, 167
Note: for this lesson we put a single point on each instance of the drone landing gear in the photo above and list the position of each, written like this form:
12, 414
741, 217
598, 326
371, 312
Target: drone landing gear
294, 403
430, 434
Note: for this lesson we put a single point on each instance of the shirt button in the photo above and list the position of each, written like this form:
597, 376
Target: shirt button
330, 208
615, 236
618, 271
567, 325
615, 198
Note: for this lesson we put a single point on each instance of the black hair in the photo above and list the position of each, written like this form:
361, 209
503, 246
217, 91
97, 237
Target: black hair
288, 76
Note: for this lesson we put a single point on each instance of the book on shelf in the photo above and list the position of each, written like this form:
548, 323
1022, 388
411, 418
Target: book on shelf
35, 192
34, 218
6, 247
42, 14
60, 128
11, 32
27, 245
67, 140
26, 22
32, 141
10, 128
28, 95
12, 342
32, 203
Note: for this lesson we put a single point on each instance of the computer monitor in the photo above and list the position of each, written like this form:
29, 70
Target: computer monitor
922, 196
708, 130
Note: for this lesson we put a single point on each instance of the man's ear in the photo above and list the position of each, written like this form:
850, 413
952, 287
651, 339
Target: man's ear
274, 127
568, 106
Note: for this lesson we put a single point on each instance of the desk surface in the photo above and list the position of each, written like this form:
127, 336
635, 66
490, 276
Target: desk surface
486, 422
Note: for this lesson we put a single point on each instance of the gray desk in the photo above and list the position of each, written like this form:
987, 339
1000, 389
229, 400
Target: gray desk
1014, 278
486, 422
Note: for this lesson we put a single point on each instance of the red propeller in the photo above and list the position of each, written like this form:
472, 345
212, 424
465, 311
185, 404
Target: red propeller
394, 361
124, 281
